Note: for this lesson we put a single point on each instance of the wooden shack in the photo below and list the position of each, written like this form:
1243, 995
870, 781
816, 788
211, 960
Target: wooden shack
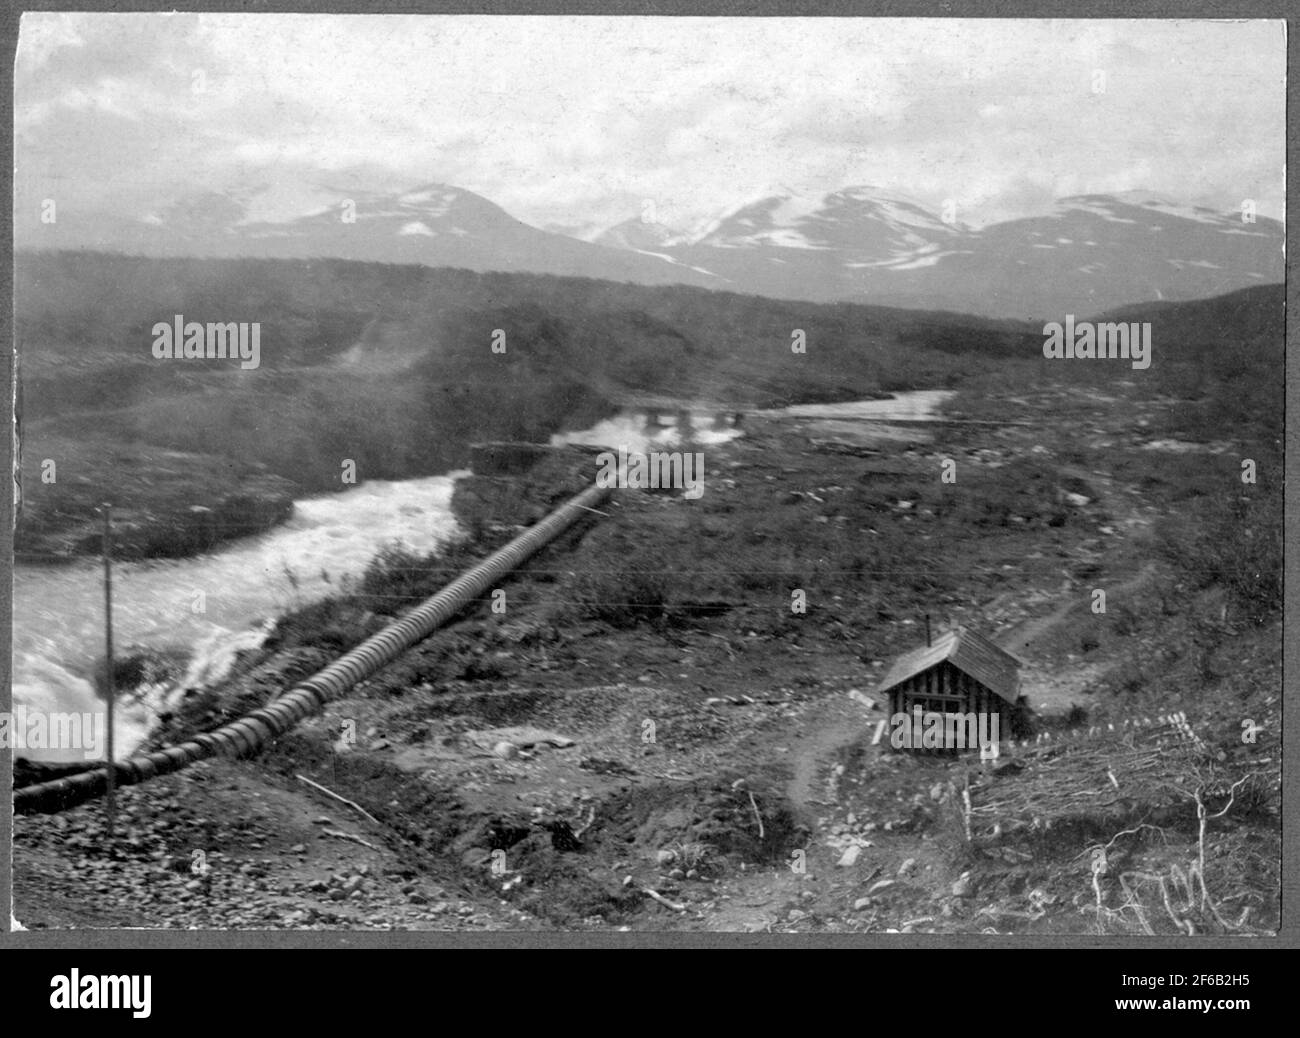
960, 674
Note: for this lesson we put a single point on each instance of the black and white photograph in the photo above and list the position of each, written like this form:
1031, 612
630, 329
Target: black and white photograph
648, 474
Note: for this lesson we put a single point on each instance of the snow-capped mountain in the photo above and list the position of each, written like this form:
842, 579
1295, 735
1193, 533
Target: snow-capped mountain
1094, 252
861, 219
435, 225
1087, 254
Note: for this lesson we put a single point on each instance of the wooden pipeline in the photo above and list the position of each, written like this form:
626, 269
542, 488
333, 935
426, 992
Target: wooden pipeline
251, 733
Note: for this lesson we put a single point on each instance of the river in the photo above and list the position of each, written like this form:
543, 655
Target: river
209, 607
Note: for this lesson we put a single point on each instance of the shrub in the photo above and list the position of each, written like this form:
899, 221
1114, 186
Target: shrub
621, 597
398, 577
1232, 539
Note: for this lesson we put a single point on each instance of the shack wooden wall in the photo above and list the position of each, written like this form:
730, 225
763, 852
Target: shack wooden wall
957, 692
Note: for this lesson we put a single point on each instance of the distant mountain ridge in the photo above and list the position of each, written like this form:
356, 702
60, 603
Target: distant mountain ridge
860, 244
1090, 253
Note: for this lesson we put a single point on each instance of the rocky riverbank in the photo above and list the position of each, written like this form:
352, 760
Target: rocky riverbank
166, 504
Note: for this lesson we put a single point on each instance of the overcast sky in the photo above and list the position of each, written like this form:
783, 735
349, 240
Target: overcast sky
577, 121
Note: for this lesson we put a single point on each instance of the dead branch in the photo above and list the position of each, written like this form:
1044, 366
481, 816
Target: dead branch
342, 800
663, 900
1087, 851
577, 833
1134, 904
754, 804
348, 836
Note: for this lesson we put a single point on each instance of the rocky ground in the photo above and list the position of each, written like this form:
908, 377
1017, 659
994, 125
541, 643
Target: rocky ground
703, 758
191, 504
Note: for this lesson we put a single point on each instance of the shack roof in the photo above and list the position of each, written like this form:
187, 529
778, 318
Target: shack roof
967, 650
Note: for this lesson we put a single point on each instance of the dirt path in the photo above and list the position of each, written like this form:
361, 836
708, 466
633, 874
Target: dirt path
1052, 688
1055, 689
832, 724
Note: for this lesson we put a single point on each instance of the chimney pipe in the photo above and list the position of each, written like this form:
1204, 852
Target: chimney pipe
927, 629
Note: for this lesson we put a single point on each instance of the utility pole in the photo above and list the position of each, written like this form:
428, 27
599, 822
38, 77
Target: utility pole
111, 771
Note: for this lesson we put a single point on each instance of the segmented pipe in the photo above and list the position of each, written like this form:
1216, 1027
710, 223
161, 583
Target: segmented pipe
251, 733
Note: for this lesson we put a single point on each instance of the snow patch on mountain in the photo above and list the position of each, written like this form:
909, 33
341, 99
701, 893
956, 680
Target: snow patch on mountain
676, 261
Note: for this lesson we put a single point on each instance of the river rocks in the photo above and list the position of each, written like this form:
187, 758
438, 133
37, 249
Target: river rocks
518, 738
352, 885
850, 856
174, 505
136, 667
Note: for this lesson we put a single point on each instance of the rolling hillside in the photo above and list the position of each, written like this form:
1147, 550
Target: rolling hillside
392, 367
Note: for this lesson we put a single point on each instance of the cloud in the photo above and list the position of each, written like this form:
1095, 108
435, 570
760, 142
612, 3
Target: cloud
578, 120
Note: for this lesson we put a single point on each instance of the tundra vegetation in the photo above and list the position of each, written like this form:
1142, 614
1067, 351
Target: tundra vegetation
678, 612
